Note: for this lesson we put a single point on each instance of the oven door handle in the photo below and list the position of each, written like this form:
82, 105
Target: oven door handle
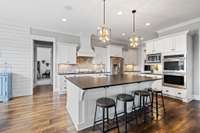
175, 74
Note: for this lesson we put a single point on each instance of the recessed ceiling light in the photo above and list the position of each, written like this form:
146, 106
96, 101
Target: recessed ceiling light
64, 19
123, 34
147, 24
119, 13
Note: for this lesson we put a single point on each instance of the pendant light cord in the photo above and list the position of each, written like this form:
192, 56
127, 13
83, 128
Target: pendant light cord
104, 12
133, 11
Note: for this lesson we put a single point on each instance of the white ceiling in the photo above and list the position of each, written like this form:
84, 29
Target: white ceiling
86, 15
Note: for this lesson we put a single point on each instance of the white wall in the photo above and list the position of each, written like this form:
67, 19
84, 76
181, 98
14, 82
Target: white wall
16, 50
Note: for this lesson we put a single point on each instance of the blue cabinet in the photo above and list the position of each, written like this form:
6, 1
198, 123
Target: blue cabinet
5, 86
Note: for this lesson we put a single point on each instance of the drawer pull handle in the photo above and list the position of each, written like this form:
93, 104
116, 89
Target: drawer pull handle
179, 93
167, 90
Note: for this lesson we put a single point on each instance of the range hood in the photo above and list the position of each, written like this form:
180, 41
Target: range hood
85, 49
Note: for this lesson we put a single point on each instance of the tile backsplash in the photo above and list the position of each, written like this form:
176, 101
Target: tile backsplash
84, 64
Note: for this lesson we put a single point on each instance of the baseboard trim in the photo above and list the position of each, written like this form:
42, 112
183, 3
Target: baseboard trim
196, 97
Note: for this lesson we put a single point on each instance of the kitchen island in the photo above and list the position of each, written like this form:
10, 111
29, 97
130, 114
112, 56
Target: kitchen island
82, 93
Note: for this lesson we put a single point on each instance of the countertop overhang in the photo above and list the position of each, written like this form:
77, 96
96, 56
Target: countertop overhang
89, 82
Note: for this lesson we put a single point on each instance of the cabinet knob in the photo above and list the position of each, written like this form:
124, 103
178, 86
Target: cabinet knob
179, 93
167, 90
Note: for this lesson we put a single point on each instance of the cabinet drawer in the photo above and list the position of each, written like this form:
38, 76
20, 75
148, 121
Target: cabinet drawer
180, 93
169, 91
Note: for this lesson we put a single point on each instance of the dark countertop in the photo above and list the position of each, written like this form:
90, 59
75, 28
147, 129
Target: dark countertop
88, 82
83, 73
152, 73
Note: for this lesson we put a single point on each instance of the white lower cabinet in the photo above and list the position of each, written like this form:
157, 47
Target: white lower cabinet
174, 92
61, 84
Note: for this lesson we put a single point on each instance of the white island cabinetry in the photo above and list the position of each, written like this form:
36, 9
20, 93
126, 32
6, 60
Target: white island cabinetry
81, 102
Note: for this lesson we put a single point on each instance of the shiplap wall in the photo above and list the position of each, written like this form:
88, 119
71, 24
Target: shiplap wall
16, 49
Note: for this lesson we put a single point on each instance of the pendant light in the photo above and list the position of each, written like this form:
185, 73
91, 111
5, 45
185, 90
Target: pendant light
103, 31
134, 40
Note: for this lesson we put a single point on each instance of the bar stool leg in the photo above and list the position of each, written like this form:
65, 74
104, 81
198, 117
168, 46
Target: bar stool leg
144, 108
95, 117
103, 119
125, 111
156, 106
152, 103
163, 102
116, 119
133, 109
107, 113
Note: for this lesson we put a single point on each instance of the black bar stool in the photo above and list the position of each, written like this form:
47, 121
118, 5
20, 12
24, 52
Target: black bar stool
106, 103
145, 96
155, 93
125, 98
144, 102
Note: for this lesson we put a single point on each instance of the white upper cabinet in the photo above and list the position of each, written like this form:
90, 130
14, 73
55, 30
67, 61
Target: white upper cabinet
172, 43
150, 48
180, 42
101, 55
130, 56
66, 53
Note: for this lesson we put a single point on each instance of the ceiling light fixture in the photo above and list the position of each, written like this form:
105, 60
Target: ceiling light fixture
147, 24
134, 40
64, 19
119, 13
104, 32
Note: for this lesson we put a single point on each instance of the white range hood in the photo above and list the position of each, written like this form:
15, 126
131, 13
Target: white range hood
85, 46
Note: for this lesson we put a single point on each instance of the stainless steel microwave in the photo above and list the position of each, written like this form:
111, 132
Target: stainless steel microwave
153, 58
174, 63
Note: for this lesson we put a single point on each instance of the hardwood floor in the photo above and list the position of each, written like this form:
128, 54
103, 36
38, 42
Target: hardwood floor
45, 112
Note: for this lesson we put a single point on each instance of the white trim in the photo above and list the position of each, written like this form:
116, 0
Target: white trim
196, 20
196, 97
169, 35
51, 39
54, 31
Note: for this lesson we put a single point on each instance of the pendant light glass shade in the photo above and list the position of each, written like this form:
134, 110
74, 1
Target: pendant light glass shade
104, 32
134, 40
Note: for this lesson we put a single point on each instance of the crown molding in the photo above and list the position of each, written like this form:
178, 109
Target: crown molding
196, 20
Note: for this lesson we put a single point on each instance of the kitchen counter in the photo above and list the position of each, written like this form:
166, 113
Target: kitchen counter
80, 73
89, 82
82, 93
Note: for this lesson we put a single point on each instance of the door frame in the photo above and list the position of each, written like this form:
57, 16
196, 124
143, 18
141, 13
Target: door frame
47, 39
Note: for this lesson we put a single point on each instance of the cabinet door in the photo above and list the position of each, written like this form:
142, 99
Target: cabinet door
150, 47
71, 55
167, 45
66, 54
126, 57
158, 46
180, 43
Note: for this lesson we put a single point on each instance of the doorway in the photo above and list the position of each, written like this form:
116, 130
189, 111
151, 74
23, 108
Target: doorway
43, 63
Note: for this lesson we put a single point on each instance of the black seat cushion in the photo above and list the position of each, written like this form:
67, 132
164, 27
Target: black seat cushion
137, 92
105, 102
157, 91
125, 97
144, 93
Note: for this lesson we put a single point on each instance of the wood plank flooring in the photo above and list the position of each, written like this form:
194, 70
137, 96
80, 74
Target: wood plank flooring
45, 112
